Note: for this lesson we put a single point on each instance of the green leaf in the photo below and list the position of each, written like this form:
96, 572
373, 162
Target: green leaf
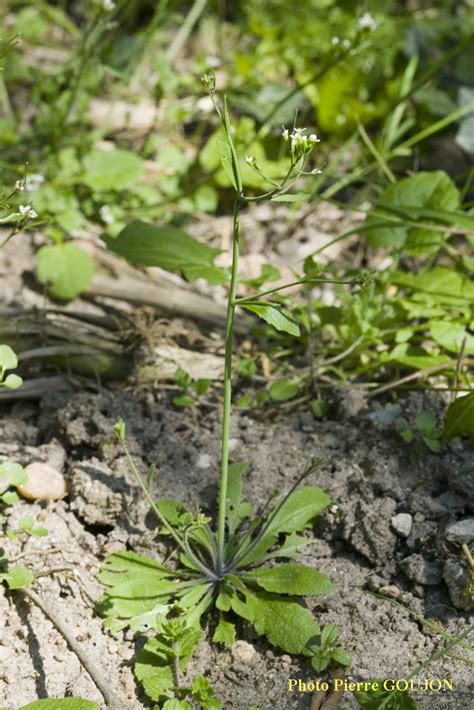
377, 698
235, 511
13, 382
169, 248
61, 704
175, 704
283, 390
294, 515
290, 548
8, 358
153, 670
226, 162
275, 316
17, 577
224, 633
341, 657
298, 510
139, 590
66, 269
425, 421
184, 400
203, 692
451, 335
13, 473
285, 623
433, 190
106, 170
444, 284
290, 578
295, 197
460, 418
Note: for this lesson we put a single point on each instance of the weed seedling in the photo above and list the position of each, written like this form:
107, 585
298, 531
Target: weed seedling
224, 569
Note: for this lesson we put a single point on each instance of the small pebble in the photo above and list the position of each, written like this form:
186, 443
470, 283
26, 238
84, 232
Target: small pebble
44, 483
390, 590
402, 524
243, 652
461, 532
204, 461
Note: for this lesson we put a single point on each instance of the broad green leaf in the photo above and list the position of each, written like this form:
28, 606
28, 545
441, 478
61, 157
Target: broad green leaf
431, 190
224, 633
65, 269
184, 400
175, 704
341, 657
275, 316
285, 623
451, 335
226, 162
298, 510
415, 357
460, 418
294, 515
169, 248
106, 170
283, 390
295, 197
445, 285
61, 704
18, 577
8, 358
290, 578
13, 382
426, 421
13, 473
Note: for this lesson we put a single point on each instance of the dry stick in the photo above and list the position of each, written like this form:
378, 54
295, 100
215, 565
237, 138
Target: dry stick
112, 701
415, 376
457, 374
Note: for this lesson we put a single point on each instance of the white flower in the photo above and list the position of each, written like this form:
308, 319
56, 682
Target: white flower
27, 212
367, 22
285, 134
20, 185
106, 214
335, 41
300, 144
251, 160
106, 5
34, 181
346, 43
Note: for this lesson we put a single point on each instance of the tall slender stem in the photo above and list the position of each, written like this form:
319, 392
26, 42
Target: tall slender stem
228, 386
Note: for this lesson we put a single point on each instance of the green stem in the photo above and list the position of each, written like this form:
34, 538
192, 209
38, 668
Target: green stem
251, 299
228, 387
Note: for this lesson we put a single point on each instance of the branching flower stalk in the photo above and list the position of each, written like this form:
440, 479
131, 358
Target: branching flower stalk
301, 146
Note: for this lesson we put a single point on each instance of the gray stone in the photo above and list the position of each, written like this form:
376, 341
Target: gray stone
460, 532
456, 577
422, 571
402, 524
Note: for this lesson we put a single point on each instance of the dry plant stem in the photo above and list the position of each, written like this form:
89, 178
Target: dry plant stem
416, 375
113, 702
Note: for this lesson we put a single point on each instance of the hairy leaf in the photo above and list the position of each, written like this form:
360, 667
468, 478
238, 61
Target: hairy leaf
169, 248
290, 578
285, 623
